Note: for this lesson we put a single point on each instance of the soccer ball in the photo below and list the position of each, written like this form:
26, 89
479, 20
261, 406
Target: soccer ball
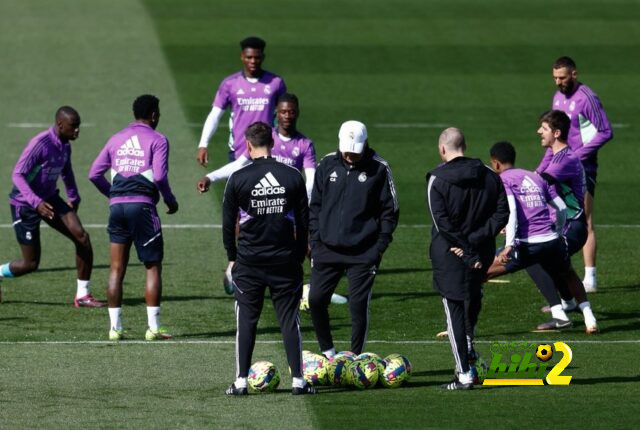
380, 362
544, 352
348, 354
338, 371
404, 359
314, 368
263, 376
364, 373
394, 374
304, 301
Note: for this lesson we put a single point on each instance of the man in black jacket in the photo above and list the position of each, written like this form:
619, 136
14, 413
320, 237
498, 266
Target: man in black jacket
271, 200
352, 216
469, 207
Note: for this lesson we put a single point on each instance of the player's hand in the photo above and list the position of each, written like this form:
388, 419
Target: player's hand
203, 156
173, 207
503, 257
458, 251
203, 185
45, 210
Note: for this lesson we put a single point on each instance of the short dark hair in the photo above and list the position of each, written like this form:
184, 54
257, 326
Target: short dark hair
288, 98
564, 62
557, 120
259, 135
504, 152
67, 111
253, 42
145, 105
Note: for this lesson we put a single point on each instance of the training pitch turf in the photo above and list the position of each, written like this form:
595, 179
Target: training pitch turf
405, 68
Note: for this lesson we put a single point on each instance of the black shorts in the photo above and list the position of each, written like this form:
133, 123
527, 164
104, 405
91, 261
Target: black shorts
575, 233
551, 255
26, 220
138, 223
591, 182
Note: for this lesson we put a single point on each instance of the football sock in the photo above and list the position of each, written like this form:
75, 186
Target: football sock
589, 318
115, 315
240, 382
83, 289
297, 382
329, 353
589, 273
153, 317
5, 271
558, 313
568, 305
465, 377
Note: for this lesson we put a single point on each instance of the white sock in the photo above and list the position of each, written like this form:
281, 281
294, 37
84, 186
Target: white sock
568, 305
329, 353
589, 318
558, 313
83, 289
297, 382
115, 315
153, 317
589, 272
465, 378
240, 382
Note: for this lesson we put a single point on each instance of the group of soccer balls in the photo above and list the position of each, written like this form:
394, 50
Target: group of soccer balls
345, 369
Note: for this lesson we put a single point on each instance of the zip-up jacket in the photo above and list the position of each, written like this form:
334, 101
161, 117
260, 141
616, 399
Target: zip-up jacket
353, 210
270, 201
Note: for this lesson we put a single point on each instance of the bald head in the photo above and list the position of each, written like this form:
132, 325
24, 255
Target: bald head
67, 123
451, 143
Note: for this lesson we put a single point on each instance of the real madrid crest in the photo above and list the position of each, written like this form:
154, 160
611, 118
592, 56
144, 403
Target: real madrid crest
362, 177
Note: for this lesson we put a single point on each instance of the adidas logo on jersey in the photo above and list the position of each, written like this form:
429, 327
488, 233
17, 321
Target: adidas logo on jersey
131, 147
267, 186
240, 92
333, 177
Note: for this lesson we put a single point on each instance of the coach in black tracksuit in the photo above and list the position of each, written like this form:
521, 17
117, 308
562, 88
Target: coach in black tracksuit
469, 207
352, 216
270, 199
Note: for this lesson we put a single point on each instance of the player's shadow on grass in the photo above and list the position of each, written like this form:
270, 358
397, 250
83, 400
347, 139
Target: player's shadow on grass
69, 268
261, 330
605, 380
632, 323
619, 288
404, 296
133, 301
400, 270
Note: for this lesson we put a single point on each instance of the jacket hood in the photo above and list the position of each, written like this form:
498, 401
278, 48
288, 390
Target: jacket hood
460, 170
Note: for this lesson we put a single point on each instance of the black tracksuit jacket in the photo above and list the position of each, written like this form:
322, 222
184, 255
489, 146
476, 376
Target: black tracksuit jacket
469, 207
271, 199
353, 210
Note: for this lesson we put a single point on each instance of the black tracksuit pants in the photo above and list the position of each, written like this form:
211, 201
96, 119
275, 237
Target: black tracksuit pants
285, 286
324, 280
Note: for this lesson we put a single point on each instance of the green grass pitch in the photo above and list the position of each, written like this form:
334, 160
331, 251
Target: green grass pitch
407, 69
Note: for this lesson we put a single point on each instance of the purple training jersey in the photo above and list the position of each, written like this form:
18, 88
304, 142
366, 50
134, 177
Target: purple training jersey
35, 176
138, 157
566, 174
590, 128
297, 151
531, 194
249, 102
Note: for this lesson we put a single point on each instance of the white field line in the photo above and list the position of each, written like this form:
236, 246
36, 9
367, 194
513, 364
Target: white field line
219, 226
273, 342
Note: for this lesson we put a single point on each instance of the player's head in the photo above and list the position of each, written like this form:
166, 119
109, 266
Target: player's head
352, 141
287, 112
451, 144
259, 139
67, 123
252, 55
554, 125
146, 108
565, 74
503, 156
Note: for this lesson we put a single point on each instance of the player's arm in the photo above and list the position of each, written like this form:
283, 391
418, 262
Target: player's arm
100, 166
441, 219
29, 163
510, 230
160, 166
208, 129
315, 205
559, 205
70, 186
301, 216
389, 211
309, 166
595, 113
496, 222
222, 173
230, 209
